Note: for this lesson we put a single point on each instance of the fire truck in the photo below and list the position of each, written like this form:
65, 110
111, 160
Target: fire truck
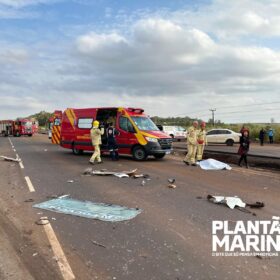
138, 135
16, 128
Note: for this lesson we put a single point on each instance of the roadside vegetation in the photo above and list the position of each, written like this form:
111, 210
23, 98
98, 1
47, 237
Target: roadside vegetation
254, 128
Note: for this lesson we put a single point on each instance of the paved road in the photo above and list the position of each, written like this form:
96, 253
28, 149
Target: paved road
171, 239
255, 149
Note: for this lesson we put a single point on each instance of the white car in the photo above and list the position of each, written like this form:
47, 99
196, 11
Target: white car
176, 132
223, 136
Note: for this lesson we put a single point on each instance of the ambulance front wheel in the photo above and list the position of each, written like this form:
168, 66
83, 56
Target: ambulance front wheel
139, 153
77, 151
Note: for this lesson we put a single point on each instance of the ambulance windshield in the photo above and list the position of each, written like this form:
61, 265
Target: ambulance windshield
144, 123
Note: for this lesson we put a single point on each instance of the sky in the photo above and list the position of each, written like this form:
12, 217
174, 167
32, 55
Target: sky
172, 58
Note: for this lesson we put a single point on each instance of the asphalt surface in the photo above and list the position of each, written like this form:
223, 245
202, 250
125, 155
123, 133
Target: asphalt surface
268, 150
171, 238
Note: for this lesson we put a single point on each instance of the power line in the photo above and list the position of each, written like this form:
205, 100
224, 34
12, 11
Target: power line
234, 106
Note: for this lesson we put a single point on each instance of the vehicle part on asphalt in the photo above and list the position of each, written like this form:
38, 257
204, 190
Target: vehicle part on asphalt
172, 186
98, 244
212, 164
136, 176
121, 175
90, 171
11, 159
70, 181
87, 209
171, 180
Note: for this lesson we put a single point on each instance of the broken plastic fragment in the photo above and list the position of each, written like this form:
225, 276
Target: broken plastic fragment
88, 209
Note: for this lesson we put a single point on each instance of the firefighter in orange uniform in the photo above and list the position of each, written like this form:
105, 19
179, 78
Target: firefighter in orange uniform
201, 141
95, 134
192, 144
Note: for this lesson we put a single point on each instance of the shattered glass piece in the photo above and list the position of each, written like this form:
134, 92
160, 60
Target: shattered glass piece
212, 164
87, 209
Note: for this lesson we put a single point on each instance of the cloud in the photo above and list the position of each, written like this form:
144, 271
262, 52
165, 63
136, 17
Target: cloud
24, 3
177, 63
161, 57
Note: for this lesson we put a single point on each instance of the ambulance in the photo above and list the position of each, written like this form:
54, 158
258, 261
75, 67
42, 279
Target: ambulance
138, 135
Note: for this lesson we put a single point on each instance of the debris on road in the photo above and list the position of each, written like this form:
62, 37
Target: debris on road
145, 176
70, 181
172, 186
90, 171
121, 175
212, 164
42, 221
29, 200
171, 180
143, 183
11, 159
87, 209
98, 244
233, 202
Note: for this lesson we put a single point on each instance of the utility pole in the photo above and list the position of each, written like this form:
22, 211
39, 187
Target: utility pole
213, 115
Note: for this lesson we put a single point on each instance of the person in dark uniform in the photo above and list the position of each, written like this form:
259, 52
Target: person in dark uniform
244, 148
111, 133
261, 136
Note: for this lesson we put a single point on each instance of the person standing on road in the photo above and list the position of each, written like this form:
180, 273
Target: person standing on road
261, 136
244, 148
270, 135
95, 134
192, 144
201, 141
111, 133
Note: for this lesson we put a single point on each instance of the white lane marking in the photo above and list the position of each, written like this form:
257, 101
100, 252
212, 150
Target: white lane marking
63, 264
29, 184
21, 165
14, 150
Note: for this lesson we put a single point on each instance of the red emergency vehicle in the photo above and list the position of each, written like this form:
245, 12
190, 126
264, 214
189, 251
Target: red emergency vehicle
54, 127
16, 128
138, 136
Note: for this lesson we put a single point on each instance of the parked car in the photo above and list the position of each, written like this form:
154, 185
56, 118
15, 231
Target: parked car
223, 136
176, 132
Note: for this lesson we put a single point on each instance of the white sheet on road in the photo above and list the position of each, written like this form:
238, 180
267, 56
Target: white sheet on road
230, 201
212, 164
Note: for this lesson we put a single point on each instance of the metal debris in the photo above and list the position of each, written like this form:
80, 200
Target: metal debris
98, 244
90, 171
11, 159
171, 180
